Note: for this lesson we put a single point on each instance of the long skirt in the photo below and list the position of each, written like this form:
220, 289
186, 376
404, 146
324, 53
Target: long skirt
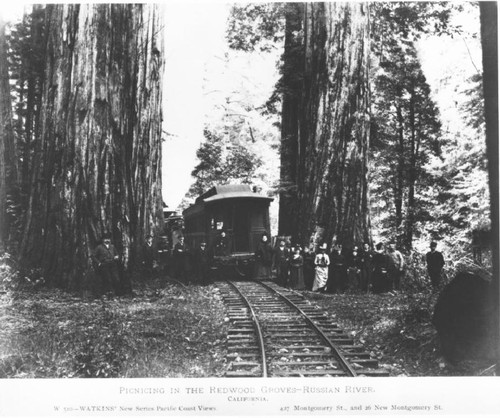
297, 278
282, 274
308, 277
263, 271
320, 278
353, 275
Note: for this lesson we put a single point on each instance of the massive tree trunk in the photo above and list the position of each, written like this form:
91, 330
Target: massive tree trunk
33, 70
412, 175
400, 170
333, 128
489, 42
8, 157
291, 83
97, 163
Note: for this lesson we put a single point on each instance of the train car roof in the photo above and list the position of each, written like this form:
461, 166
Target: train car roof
230, 191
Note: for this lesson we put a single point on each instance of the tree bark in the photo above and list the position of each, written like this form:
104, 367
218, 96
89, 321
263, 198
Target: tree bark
291, 85
412, 174
97, 162
333, 128
399, 186
489, 42
33, 70
8, 155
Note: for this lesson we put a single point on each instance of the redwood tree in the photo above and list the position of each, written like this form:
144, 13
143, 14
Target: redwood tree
329, 156
96, 165
8, 159
291, 87
489, 42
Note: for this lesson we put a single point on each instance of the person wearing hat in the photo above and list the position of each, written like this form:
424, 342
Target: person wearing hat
221, 245
107, 258
354, 269
309, 257
281, 258
366, 268
264, 258
380, 263
149, 256
337, 277
180, 260
296, 269
202, 264
435, 263
321, 262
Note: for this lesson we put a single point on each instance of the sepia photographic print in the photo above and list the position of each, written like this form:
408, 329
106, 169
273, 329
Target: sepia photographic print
214, 208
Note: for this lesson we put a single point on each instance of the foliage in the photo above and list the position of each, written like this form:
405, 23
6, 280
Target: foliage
256, 26
26, 57
410, 21
473, 108
162, 332
241, 142
451, 194
222, 163
407, 134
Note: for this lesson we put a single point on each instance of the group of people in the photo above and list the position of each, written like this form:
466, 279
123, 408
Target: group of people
288, 263
108, 265
356, 269
340, 270
190, 265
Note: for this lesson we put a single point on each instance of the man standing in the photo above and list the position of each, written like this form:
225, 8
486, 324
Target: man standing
280, 263
221, 246
107, 260
149, 256
396, 266
180, 259
353, 263
337, 275
366, 267
264, 258
435, 263
202, 264
380, 261
308, 267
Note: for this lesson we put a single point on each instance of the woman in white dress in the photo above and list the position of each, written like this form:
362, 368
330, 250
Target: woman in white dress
321, 263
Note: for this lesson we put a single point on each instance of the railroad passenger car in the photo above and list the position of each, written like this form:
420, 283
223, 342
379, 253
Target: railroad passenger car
238, 211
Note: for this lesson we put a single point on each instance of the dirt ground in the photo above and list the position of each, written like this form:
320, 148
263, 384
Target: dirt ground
396, 328
167, 329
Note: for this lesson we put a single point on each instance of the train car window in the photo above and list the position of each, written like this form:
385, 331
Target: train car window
217, 223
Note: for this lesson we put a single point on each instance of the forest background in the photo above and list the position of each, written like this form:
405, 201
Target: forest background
222, 100
238, 84
223, 104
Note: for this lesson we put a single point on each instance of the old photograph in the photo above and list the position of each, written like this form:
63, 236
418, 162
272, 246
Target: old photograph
215, 207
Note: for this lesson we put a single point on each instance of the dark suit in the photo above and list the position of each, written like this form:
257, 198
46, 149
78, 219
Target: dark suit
380, 279
280, 261
264, 259
202, 265
366, 269
435, 263
180, 259
337, 275
148, 258
107, 267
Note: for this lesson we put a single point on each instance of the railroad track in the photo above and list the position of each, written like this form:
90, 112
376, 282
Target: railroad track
276, 332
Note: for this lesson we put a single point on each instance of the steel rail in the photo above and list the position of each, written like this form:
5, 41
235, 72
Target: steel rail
257, 328
343, 361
